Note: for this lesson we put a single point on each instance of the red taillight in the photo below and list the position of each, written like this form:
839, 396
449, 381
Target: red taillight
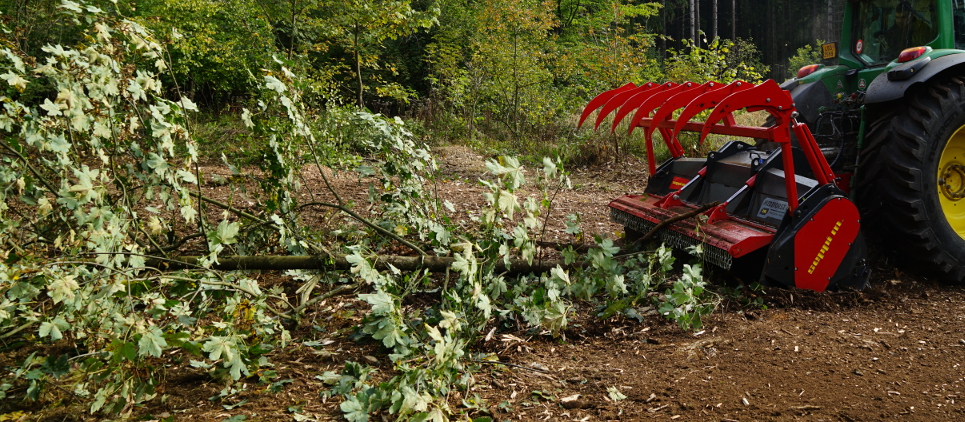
910, 54
807, 70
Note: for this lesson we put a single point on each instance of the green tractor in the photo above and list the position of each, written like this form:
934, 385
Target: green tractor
891, 113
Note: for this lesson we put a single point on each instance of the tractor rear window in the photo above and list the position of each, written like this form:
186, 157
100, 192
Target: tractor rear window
882, 28
958, 14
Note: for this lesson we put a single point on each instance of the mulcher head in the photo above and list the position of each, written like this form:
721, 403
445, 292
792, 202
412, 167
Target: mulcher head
776, 208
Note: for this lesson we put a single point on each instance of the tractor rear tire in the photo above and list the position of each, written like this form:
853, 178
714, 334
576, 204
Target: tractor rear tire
911, 179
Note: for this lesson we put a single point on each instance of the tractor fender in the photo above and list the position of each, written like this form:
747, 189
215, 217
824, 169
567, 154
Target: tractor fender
882, 89
808, 99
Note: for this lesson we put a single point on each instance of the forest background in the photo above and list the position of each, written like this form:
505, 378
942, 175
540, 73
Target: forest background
476, 71
116, 259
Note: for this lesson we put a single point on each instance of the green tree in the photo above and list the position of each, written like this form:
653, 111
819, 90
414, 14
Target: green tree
607, 47
358, 30
512, 50
215, 46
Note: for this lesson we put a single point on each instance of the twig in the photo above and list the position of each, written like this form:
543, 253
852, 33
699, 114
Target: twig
370, 224
669, 221
14, 246
10, 333
228, 208
578, 247
331, 293
36, 173
321, 170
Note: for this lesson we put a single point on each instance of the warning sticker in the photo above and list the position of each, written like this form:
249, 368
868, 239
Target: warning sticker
678, 182
772, 208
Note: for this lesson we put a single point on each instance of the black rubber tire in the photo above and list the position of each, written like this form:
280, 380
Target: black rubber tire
898, 174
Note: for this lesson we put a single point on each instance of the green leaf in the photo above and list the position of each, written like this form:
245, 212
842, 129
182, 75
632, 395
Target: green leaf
382, 302
191, 347
152, 342
50, 329
176, 339
236, 367
234, 406
227, 231
608, 247
273, 83
128, 351
354, 410
507, 203
57, 367
218, 347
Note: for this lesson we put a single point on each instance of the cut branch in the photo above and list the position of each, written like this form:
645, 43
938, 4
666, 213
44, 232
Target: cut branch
339, 262
368, 223
671, 220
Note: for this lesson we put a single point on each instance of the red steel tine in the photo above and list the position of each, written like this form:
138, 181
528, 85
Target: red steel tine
655, 101
633, 102
619, 100
665, 112
767, 96
679, 101
601, 99
707, 101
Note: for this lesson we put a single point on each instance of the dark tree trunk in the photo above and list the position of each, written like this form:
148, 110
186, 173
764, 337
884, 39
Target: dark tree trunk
693, 21
713, 21
338, 262
733, 19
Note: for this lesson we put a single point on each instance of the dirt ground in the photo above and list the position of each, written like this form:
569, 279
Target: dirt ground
893, 351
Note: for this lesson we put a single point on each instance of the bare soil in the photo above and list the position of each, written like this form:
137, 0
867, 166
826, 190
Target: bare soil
893, 351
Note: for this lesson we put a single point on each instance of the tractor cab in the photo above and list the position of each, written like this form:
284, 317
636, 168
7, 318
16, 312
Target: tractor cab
881, 29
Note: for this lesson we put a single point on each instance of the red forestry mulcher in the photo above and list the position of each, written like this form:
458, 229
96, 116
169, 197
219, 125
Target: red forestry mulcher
774, 201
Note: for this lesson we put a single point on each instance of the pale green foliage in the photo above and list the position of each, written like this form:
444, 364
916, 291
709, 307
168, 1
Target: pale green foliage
108, 164
687, 301
430, 346
605, 49
509, 75
511, 59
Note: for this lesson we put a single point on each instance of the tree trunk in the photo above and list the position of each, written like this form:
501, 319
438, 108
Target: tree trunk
733, 19
697, 21
771, 54
693, 22
713, 21
383, 262
663, 29
831, 36
358, 66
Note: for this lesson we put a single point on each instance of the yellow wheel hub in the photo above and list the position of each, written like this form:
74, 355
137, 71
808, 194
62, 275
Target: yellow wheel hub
951, 181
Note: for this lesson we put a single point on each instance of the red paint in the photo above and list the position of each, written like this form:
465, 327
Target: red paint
822, 243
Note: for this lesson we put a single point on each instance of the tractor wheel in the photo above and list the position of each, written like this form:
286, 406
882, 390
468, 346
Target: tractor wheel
912, 178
